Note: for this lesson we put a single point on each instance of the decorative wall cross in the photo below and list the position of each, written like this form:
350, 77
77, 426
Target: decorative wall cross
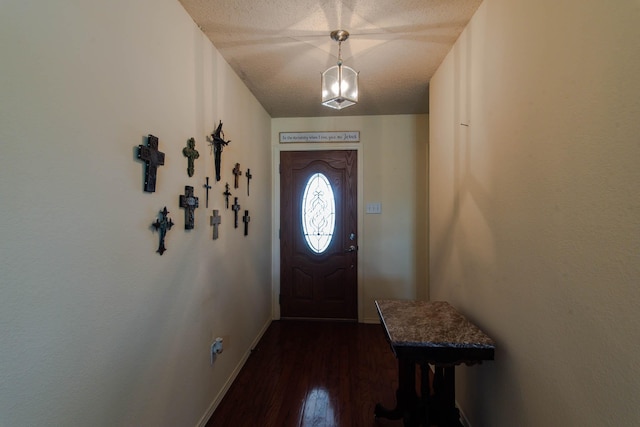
249, 176
163, 224
189, 203
191, 154
227, 193
215, 221
152, 158
217, 142
207, 188
246, 218
235, 208
237, 173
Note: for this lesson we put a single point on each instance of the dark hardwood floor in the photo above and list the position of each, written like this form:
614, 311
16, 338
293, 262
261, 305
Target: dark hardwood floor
313, 373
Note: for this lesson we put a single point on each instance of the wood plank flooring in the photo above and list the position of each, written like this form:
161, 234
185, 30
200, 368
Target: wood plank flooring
313, 374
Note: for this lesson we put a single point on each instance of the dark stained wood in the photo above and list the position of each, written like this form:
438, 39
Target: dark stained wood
237, 173
246, 218
249, 176
152, 158
189, 202
316, 285
313, 373
236, 208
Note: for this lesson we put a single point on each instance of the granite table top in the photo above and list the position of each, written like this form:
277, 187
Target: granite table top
430, 324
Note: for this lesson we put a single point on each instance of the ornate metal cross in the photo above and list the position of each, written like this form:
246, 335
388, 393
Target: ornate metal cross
191, 154
189, 203
215, 221
163, 224
237, 173
249, 176
235, 208
217, 142
246, 218
227, 193
152, 158
207, 188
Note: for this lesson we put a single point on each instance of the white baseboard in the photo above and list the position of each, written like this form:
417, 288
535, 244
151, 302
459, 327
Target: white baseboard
463, 419
205, 418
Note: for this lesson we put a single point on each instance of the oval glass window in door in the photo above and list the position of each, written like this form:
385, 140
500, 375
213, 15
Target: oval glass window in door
318, 213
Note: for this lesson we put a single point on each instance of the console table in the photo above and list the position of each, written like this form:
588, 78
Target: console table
429, 333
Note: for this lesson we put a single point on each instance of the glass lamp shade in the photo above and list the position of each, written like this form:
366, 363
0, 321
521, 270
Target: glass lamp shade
339, 87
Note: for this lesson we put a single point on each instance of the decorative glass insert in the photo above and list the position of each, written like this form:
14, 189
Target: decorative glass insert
318, 213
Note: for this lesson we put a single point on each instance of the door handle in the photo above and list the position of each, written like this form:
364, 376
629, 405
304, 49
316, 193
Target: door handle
351, 248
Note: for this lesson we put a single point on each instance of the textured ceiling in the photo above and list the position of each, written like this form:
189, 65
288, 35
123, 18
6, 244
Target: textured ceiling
279, 48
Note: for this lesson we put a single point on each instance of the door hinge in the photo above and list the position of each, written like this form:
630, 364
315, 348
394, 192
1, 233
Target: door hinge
279, 233
280, 299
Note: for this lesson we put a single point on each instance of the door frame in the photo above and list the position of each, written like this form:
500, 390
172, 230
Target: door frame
277, 148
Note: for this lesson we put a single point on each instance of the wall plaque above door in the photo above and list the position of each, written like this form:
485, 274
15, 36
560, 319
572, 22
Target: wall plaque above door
315, 137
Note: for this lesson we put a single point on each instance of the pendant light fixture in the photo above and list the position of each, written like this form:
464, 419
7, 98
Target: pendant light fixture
339, 83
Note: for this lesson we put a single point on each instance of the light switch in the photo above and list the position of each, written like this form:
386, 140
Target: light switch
374, 208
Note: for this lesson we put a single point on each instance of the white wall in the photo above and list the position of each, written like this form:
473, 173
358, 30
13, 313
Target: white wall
96, 328
392, 171
535, 209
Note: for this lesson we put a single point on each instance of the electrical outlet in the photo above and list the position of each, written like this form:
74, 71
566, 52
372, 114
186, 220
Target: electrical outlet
212, 355
217, 345
216, 349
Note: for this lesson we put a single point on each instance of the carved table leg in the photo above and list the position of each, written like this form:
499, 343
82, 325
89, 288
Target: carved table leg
425, 393
443, 405
407, 405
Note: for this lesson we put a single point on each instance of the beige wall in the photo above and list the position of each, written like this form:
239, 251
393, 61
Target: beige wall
535, 209
392, 171
96, 328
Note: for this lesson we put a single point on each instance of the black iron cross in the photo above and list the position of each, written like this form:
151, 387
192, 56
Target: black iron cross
237, 173
217, 143
246, 218
189, 203
207, 187
249, 176
215, 221
236, 208
191, 154
152, 158
227, 193
163, 224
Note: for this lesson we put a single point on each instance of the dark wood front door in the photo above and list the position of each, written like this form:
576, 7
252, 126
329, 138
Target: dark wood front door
318, 262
